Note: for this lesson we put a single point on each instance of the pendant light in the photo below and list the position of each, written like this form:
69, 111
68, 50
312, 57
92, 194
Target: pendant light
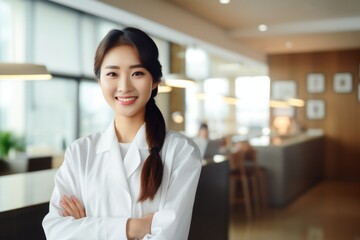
23, 71
179, 80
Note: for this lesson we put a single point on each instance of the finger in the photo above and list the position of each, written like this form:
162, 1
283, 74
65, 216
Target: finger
79, 206
67, 208
65, 213
71, 207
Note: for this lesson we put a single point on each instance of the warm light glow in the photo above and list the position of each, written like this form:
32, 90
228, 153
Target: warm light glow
26, 77
230, 100
278, 104
224, 1
180, 83
282, 124
262, 28
177, 117
164, 89
23, 71
296, 102
179, 80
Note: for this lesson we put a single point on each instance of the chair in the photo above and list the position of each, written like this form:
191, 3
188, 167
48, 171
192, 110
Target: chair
39, 163
239, 194
247, 180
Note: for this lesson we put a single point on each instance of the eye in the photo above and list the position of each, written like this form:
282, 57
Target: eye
111, 74
138, 74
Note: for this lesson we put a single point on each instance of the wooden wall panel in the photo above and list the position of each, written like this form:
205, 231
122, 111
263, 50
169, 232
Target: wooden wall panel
342, 121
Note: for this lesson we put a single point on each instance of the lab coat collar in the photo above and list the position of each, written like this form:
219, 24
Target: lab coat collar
109, 137
132, 159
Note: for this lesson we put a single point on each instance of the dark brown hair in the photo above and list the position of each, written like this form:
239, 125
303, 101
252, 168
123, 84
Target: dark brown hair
152, 171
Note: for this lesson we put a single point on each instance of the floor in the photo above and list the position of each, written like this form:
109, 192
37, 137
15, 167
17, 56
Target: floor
328, 211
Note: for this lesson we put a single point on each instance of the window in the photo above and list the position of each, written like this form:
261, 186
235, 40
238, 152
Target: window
56, 38
95, 113
12, 31
51, 113
252, 111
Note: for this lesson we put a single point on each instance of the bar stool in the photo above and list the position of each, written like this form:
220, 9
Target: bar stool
245, 171
239, 183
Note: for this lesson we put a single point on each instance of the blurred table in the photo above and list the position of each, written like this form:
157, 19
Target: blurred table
24, 201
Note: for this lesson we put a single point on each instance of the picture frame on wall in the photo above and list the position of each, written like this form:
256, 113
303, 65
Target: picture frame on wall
315, 83
342, 82
359, 92
315, 109
283, 90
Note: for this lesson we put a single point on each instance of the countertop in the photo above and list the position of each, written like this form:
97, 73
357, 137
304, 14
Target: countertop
26, 189
287, 140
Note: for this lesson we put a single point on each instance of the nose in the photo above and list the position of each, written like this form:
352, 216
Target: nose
124, 84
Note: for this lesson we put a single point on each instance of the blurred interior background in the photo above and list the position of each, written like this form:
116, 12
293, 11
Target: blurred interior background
282, 76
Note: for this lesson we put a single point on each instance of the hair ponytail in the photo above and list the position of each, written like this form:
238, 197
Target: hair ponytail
152, 171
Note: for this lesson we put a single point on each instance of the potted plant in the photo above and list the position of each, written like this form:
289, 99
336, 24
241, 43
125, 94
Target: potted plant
8, 141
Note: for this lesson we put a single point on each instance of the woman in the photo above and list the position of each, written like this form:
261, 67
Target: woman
135, 180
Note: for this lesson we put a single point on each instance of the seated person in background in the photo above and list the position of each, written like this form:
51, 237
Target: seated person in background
202, 138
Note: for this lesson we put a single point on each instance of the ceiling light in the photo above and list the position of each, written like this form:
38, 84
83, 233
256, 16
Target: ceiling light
278, 104
224, 1
162, 88
23, 71
177, 117
262, 28
179, 80
296, 102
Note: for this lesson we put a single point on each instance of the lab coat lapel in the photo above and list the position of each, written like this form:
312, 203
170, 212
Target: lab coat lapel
109, 147
133, 157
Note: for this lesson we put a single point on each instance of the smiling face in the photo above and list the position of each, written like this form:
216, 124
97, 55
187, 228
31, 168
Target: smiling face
125, 83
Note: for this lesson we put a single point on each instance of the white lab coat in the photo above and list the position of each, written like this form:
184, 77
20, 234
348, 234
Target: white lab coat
108, 186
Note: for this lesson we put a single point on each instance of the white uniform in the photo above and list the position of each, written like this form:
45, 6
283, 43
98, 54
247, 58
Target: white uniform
109, 186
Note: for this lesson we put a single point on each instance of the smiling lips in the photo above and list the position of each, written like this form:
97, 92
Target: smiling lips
126, 100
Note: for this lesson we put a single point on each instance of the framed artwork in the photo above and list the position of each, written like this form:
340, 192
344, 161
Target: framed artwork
283, 90
359, 92
315, 109
315, 83
342, 82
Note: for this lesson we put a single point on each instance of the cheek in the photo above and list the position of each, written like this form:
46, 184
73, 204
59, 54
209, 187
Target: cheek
104, 84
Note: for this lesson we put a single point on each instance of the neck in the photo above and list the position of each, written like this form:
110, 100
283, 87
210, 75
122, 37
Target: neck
126, 128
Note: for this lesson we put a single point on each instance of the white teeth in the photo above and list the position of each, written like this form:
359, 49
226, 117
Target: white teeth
127, 99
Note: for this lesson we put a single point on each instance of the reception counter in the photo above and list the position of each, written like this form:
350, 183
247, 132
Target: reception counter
24, 201
293, 164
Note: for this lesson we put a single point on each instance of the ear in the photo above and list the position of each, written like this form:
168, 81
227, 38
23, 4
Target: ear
155, 85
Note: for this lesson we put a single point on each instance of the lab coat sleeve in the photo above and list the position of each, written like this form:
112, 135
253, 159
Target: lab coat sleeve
172, 221
56, 226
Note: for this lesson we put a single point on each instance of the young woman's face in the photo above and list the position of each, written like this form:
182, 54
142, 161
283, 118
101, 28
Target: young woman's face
125, 83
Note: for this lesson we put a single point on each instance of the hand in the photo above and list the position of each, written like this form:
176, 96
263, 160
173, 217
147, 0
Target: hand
137, 228
72, 207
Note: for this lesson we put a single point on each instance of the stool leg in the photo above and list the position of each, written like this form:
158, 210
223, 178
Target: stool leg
247, 200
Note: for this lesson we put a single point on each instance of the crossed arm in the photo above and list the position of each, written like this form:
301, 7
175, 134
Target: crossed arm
136, 228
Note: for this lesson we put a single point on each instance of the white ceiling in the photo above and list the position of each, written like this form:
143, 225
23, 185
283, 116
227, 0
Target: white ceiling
230, 31
293, 25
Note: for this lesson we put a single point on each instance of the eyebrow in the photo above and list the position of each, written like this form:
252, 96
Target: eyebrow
131, 66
